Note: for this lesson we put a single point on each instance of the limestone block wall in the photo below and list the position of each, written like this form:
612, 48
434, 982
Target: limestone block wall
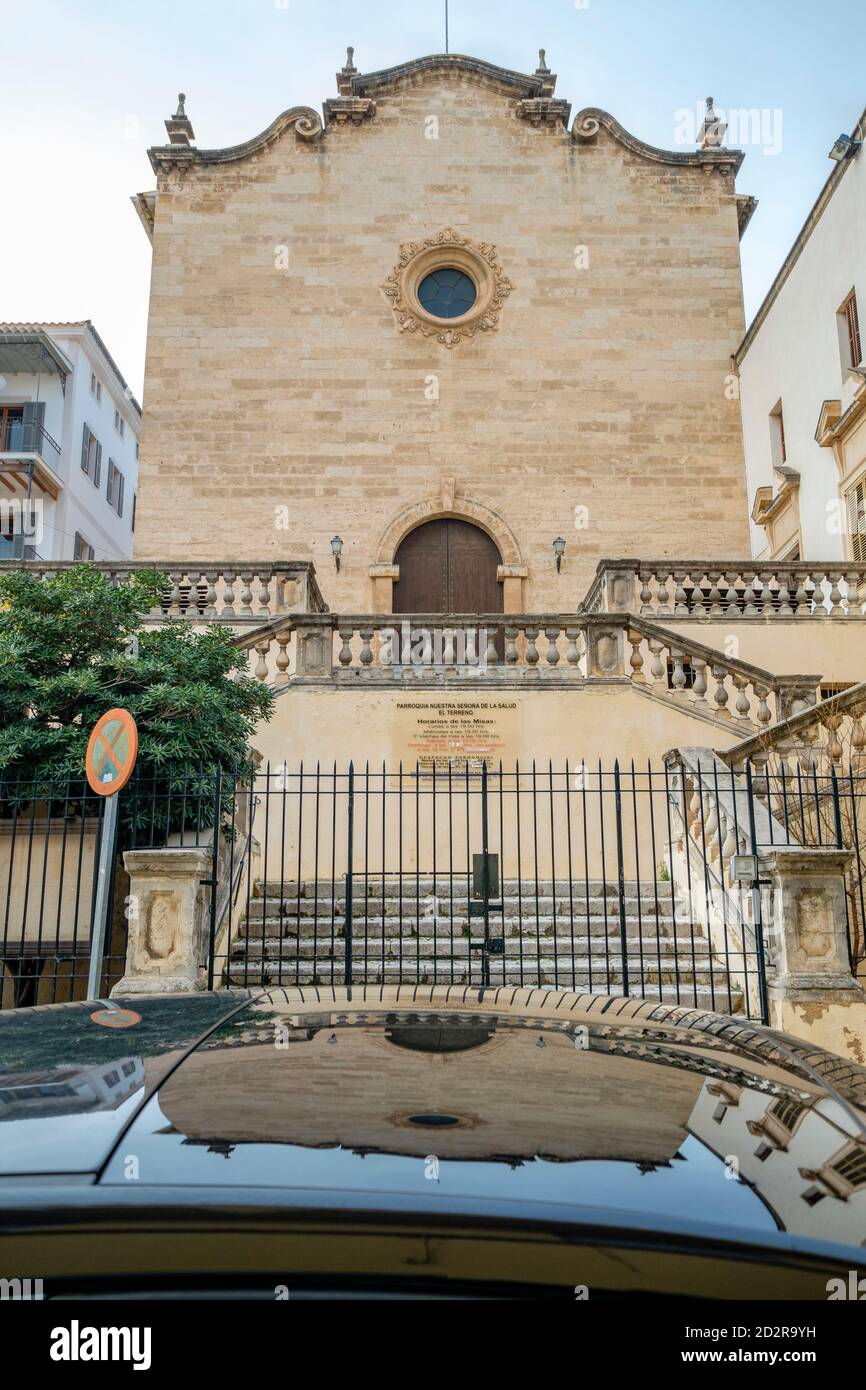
284, 405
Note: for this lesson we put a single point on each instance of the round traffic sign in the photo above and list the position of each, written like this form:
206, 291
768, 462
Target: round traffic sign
111, 752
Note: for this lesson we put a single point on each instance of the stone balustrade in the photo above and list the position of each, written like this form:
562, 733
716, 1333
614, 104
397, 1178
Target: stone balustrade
237, 594
806, 889
819, 739
367, 649
552, 649
730, 589
685, 672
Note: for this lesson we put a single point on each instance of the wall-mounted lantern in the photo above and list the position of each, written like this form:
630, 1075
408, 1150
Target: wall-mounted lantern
559, 552
845, 148
337, 551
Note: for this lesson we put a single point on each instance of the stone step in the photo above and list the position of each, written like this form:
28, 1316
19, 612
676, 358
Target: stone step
411, 907
393, 886
702, 995
444, 949
291, 928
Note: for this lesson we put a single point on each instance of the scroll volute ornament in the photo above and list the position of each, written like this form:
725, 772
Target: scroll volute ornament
477, 259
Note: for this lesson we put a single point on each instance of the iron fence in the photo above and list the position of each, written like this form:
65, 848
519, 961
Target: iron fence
567, 878
611, 880
50, 837
51, 834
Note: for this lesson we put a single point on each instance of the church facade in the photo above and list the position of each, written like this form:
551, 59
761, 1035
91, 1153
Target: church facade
443, 421
303, 385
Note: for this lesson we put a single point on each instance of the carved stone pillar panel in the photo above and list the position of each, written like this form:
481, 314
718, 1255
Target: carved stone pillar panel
605, 653
809, 947
166, 950
619, 590
315, 649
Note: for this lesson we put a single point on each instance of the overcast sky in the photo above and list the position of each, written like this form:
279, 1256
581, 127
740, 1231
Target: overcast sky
87, 85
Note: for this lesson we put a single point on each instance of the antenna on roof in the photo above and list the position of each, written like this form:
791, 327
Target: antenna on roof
447, 49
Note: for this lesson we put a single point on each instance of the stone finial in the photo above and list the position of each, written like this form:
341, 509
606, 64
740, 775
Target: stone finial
542, 70
179, 126
713, 130
347, 74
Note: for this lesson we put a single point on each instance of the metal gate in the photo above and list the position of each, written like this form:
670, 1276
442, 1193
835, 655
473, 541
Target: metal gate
565, 878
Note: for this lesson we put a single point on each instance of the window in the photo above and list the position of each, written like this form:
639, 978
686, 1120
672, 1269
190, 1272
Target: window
132, 518
447, 293
119, 423
91, 456
852, 1166
95, 387
849, 333
778, 446
788, 1113
115, 487
83, 549
830, 689
856, 500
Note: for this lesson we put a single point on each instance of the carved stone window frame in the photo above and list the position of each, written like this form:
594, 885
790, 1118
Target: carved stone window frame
448, 250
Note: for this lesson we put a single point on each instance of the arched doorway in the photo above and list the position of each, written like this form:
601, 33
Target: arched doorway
448, 566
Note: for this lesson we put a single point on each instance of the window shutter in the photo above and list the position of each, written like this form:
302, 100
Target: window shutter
32, 418
97, 465
854, 331
120, 494
85, 442
857, 520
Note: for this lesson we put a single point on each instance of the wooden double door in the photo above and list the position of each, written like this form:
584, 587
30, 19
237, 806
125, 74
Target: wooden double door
448, 566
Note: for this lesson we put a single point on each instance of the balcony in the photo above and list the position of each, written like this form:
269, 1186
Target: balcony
28, 452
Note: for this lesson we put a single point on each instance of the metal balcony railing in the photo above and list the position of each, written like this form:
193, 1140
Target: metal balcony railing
26, 437
16, 548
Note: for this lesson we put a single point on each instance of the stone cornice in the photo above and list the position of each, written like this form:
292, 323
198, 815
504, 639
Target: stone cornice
592, 119
306, 123
533, 94
517, 84
746, 205
768, 506
834, 424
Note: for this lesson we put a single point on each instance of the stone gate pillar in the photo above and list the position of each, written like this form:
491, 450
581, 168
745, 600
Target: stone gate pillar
167, 943
810, 986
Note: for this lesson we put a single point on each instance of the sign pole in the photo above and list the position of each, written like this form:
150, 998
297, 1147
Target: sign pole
103, 895
109, 763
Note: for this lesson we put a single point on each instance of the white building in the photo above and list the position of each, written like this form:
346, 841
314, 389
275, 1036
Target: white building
69, 430
803, 384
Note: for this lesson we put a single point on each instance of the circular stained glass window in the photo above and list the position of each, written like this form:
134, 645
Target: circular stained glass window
447, 294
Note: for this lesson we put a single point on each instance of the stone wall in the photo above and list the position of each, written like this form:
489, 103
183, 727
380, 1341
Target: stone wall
601, 387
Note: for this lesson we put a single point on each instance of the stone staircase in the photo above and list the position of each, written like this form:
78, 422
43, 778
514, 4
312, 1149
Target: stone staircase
556, 935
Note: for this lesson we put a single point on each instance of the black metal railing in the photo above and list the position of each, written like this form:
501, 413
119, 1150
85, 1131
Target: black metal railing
566, 878
50, 834
51, 831
610, 880
26, 437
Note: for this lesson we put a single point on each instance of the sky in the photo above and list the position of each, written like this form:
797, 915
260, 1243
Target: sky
87, 85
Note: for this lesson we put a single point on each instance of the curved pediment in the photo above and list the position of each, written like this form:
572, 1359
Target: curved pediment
521, 85
592, 119
357, 96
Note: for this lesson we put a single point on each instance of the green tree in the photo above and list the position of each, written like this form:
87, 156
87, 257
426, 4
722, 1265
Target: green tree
74, 645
